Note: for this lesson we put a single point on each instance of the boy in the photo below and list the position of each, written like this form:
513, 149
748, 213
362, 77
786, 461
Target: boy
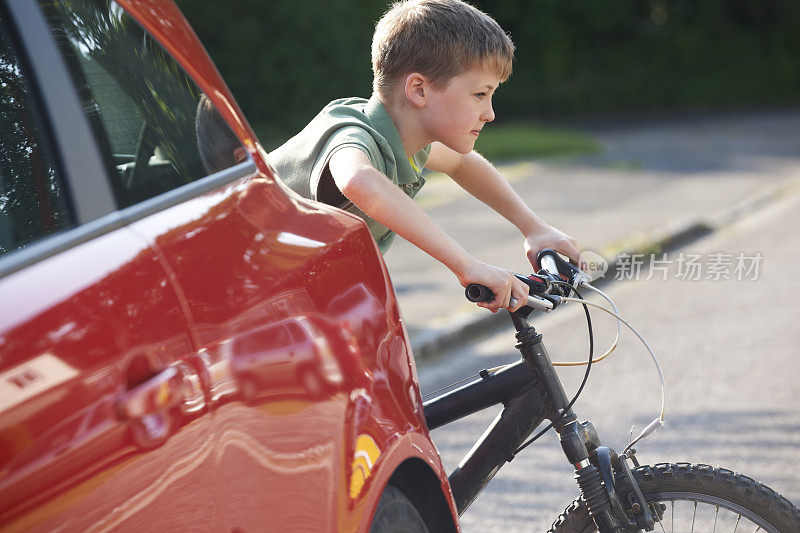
436, 66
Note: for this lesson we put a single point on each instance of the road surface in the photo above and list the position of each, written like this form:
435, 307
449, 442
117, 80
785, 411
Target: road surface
729, 350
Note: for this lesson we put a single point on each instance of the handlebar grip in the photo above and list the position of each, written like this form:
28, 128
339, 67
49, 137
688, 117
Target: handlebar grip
476, 292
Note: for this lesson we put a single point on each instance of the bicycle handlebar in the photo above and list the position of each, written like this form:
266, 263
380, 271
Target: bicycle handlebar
552, 269
538, 299
480, 293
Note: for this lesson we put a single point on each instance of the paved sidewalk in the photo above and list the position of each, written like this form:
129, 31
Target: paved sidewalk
655, 184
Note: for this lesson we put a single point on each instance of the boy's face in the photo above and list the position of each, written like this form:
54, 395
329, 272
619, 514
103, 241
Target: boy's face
455, 114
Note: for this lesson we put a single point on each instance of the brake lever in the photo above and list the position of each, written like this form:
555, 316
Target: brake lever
551, 261
541, 303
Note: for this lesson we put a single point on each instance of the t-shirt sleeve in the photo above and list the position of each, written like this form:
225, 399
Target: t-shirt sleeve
349, 136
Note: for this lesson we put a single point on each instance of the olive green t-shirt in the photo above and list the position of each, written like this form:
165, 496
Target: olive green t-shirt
302, 161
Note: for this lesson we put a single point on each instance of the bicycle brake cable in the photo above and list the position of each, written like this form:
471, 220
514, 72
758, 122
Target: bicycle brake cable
611, 348
562, 363
652, 426
457, 383
658, 422
616, 338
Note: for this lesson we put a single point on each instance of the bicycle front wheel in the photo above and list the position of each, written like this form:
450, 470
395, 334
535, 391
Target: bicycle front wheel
699, 498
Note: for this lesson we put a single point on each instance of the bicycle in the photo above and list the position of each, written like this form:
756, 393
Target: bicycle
617, 493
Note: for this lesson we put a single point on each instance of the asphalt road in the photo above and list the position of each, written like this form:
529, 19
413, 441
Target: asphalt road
729, 350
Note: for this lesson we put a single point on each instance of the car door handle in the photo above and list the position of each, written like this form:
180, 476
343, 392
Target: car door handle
155, 395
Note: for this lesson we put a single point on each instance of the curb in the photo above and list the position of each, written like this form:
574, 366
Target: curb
469, 325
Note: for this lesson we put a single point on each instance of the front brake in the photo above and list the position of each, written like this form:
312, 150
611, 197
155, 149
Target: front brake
627, 501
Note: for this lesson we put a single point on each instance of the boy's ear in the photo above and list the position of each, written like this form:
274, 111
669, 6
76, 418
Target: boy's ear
416, 88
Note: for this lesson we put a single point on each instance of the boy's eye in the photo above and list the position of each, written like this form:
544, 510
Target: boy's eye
480, 95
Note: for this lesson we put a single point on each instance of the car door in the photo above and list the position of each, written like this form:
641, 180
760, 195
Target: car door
102, 389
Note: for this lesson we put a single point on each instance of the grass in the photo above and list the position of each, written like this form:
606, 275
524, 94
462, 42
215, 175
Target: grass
518, 140
497, 142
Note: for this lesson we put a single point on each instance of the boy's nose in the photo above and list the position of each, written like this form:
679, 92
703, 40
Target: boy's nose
488, 114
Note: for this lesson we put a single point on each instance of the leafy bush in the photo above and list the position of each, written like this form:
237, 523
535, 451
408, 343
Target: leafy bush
285, 60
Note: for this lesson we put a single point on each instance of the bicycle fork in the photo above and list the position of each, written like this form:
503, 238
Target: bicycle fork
530, 392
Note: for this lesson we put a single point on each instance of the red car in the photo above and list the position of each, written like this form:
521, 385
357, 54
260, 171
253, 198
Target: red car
149, 256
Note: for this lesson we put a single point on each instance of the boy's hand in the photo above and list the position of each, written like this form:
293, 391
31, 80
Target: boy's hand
501, 282
549, 237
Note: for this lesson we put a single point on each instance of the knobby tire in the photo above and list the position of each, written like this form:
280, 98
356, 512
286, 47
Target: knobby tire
706, 486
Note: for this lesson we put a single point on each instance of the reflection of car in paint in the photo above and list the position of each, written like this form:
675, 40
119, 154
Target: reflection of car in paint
148, 254
283, 356
362, 311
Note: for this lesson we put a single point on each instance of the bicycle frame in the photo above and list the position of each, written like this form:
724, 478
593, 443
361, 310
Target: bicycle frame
530, 391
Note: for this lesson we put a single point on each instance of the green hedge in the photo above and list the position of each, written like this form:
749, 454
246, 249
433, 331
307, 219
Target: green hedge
581, 56
285, 60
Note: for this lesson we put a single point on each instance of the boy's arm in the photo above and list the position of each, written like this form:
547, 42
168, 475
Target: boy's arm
482, 180
383, 201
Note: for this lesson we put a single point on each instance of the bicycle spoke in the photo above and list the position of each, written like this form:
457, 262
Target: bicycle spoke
660, 523
673, 517
694, 515
737, 523
716, 514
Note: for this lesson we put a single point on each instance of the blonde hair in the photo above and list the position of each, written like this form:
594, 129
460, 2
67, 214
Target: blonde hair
440, 39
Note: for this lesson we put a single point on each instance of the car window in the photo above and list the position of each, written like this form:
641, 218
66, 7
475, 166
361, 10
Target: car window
32, 199
269, 338
297, 333
156, 128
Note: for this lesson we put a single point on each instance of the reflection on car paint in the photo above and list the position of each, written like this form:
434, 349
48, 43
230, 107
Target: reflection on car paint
66, 364
298, 240
288, 356
30, 378
362, 311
